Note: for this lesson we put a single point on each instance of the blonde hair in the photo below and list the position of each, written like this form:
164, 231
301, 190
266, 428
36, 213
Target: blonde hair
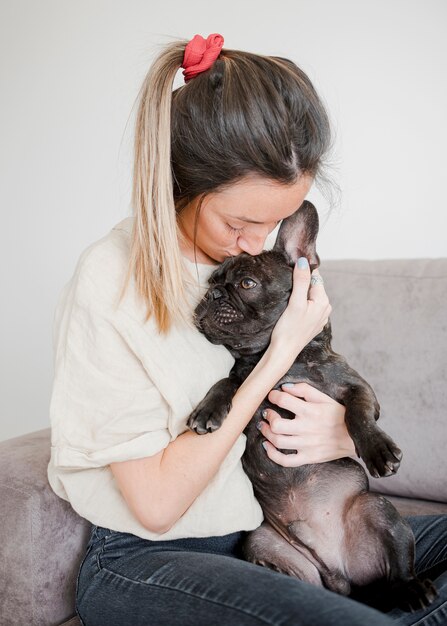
155, 260
247, 114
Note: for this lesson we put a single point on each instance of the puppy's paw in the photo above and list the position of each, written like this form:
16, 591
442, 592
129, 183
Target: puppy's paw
414, 594
289, 571
206, 417
214, 408
381, 455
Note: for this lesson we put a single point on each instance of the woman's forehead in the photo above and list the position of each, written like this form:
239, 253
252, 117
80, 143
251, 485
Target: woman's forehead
260, 200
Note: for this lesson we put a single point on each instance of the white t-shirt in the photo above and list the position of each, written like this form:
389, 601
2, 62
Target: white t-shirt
123, 391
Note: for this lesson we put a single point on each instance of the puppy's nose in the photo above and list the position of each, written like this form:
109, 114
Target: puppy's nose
215, 293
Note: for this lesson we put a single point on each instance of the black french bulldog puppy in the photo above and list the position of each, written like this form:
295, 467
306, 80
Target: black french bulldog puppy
321, 523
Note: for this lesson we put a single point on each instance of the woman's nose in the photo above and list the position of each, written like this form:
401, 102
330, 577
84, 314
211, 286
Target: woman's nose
252, 245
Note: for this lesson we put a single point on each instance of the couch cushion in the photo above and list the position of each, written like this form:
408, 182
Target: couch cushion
42, 540
412, 506
389, 320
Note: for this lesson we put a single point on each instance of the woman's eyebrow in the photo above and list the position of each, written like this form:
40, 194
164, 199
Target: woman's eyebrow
247, 219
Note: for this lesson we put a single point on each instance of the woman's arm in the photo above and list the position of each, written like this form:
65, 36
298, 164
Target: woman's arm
159, 489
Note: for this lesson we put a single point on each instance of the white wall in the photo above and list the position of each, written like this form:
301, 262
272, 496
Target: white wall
70, 72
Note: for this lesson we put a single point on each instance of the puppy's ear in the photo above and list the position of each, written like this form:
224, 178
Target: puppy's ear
297, 235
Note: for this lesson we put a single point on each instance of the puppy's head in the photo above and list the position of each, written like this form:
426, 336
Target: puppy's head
247, 294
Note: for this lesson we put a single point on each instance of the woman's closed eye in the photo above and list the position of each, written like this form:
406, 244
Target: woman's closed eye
234, 230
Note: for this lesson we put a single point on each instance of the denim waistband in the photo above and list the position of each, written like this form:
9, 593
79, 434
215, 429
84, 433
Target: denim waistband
226, 544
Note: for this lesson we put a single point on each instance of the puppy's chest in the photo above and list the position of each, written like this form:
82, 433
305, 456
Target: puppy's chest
308, 372
325, 376
318, 374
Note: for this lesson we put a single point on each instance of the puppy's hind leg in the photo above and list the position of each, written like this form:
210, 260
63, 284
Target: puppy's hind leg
379, 556
264, 546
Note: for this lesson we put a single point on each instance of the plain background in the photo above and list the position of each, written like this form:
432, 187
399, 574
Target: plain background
70, 72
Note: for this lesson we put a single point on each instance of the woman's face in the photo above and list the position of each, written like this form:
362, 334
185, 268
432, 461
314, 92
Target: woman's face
239, 218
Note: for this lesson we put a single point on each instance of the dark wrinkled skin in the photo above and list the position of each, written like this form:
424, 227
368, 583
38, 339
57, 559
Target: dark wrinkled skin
321, 522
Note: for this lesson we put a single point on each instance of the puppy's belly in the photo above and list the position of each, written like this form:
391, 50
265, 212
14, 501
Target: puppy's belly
304, 489
309, 501
317, 494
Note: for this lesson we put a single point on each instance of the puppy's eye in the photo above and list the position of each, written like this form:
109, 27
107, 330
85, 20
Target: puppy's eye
248, 283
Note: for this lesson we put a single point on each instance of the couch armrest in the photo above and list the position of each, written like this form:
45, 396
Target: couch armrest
42, 540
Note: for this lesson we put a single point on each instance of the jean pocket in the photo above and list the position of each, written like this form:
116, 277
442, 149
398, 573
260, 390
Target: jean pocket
100, 532
117, 544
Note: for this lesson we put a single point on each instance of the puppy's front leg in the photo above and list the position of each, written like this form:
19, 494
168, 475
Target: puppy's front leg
379, 452
214, 408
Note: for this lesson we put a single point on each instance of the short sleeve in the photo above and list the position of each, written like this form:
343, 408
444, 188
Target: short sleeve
104, 406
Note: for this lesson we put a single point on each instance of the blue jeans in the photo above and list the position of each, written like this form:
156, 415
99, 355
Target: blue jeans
125, 580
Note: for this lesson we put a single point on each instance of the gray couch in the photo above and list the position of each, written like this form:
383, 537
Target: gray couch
389, 319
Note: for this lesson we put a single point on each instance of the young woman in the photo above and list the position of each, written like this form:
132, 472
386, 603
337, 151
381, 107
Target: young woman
218, 163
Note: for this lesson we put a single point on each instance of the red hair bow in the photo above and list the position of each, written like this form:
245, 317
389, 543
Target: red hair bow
200, 54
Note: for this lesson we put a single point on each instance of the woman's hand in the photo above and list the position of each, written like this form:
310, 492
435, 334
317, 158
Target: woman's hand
318, 431
305, 316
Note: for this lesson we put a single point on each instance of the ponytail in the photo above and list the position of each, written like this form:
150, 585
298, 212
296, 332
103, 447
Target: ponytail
155, 258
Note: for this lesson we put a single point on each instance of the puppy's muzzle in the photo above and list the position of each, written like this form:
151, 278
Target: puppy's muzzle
225, 313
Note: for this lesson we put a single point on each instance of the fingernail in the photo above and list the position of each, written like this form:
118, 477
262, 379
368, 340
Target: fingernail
264, 445
258, 425
264, 413
302, 263
287, 385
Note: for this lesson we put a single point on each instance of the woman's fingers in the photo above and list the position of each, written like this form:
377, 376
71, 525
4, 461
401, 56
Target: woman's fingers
285, 401
318, 432
307, 284
306, 391
316, 281
301, 280
286, 442
304, 317
302, 457
317, 289
317, 292
299, 399
286, 460
309, 288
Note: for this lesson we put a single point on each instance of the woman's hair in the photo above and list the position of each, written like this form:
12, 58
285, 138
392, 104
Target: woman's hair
247, 114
